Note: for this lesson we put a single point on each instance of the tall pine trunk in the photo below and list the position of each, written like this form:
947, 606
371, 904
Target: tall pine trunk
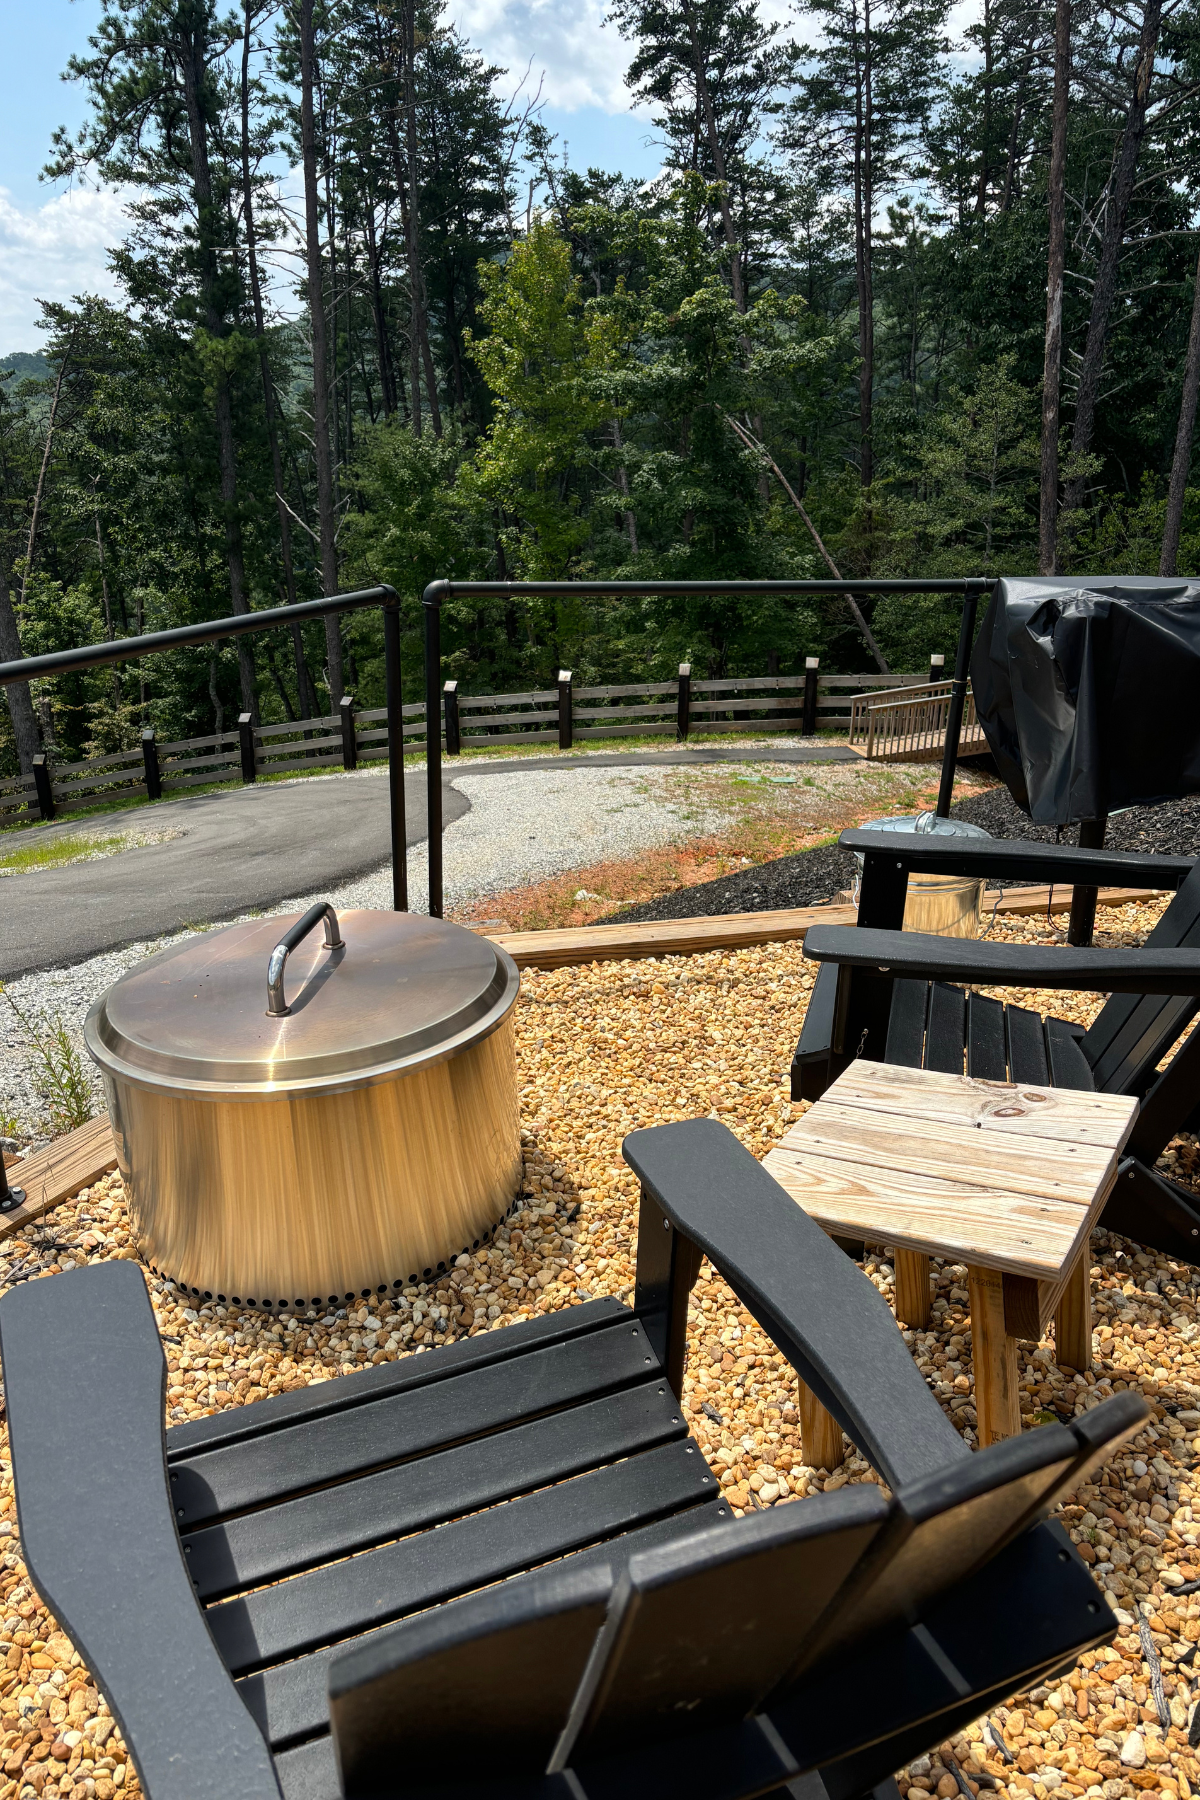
1055, 267
20, 704
193, 70
1105, 290
717, 153
864, 200
304, 691
326, 505
1181, 462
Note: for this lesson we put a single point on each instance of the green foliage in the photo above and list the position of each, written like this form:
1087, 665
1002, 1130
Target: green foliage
579, 345
60, 1074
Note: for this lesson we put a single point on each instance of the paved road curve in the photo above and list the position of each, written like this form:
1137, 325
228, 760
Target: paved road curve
255, 846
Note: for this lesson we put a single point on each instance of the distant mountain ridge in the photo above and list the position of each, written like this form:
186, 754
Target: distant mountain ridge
26, 365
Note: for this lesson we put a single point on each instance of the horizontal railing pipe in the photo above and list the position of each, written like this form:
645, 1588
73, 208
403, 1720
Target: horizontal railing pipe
437, 591
95, 656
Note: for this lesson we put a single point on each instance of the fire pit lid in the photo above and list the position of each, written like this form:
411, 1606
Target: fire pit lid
401, 991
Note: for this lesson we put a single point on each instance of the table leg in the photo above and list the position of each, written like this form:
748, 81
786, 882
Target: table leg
820, 1433
912, 1288
997, 1402
1073, 1317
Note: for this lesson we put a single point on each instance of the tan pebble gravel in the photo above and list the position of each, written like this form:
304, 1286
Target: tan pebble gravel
603, 1050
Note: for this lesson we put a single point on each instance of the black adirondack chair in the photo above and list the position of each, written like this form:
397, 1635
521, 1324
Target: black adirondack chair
589, 1618
890, 995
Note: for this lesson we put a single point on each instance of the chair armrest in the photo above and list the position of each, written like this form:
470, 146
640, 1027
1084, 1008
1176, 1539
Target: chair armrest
827, 1318
912, 953
926, 853
104, 1552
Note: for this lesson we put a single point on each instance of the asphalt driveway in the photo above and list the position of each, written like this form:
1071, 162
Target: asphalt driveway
248, 847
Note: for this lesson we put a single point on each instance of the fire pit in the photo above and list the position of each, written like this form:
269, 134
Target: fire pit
301, 1123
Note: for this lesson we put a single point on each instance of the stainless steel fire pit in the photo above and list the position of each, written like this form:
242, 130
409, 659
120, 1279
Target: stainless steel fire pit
302, 1120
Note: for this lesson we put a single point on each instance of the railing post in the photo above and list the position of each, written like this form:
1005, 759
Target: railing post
246, 740
431, 604
937, 669
566, 731
349, 740
683, 705
42, 787
453, 733
394, 699
808, 724
958, 699
150, 764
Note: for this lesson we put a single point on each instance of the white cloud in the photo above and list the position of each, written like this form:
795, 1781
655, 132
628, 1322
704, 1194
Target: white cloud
54, 252
583, 60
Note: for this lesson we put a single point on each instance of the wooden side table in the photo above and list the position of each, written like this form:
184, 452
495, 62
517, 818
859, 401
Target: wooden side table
1008, 1179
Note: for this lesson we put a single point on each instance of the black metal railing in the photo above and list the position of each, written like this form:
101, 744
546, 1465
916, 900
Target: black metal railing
969, 590
95, 656
92, 656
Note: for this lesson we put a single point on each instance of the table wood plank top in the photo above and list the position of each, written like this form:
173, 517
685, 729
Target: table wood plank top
999, 1175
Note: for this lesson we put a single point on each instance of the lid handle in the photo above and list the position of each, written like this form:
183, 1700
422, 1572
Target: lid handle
277, 1006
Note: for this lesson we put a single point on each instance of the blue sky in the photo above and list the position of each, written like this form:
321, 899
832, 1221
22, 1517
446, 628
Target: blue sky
53, 242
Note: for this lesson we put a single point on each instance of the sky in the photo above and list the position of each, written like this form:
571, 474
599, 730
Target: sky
53, 240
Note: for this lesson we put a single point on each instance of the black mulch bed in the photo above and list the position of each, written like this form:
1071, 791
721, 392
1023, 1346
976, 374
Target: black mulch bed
819, 875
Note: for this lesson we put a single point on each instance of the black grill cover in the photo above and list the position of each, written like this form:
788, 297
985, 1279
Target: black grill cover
1088, 691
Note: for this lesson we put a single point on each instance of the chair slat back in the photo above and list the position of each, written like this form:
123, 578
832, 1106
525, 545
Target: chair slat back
706, 1627
1132, 1031
487, 1681
698, 1633
944, 1527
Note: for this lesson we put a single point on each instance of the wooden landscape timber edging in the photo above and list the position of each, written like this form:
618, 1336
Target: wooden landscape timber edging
737, 931
75, 1161
344, 739
58, 1172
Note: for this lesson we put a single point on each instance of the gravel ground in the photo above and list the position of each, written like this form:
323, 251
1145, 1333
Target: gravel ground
814, 876
522, 826
601, 1050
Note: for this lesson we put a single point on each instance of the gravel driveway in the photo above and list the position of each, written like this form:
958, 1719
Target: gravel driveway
521, 826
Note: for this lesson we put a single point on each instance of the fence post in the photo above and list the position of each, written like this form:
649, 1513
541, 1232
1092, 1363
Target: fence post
246, 739
566, 729
42, 787
808, 722
150, 764
937, 669
453, 735
349, 741
683, 707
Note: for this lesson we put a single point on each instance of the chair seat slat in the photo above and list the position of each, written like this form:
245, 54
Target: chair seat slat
470, 1405
281, 1540
239, 1424
345, 1597
290, 1702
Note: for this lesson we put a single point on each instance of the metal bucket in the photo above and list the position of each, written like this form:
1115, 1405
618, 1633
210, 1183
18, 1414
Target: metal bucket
292, 1149
941, 905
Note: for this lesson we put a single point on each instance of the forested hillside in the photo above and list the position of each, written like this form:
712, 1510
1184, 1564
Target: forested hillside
896, 305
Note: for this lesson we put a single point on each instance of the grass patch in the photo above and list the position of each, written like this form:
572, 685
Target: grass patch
54, 852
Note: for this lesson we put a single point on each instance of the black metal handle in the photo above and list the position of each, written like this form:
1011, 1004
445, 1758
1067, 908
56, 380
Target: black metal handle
277, 1006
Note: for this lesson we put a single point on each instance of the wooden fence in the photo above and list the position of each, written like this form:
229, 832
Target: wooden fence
909, 724
562, 714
